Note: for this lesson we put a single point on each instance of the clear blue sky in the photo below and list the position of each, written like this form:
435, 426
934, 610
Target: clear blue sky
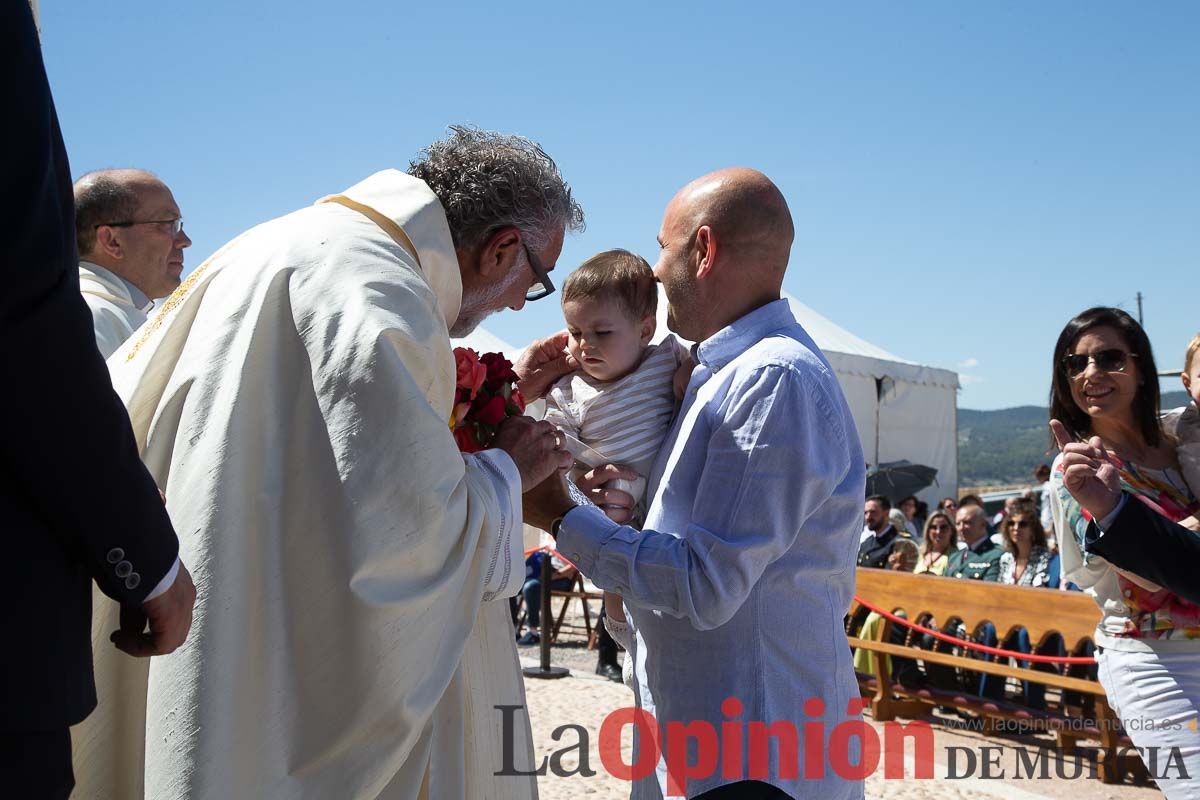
964, 178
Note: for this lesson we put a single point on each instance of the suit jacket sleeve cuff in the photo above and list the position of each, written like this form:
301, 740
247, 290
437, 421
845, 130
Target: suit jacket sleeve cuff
166, 583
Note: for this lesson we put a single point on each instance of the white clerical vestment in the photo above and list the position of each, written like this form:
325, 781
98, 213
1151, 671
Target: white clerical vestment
351, 636
115, 312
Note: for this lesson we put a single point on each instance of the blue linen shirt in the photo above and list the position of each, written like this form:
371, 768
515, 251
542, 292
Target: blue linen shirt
738, 582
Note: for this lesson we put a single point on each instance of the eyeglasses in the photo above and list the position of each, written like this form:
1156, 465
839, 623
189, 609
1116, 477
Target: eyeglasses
1111, 360
1020, 523
175, 223
543, 286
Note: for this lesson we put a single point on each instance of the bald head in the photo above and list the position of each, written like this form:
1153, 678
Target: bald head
747, 214
127, 221
107, 195
725, 240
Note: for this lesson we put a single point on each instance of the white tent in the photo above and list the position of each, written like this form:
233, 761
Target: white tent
903, 410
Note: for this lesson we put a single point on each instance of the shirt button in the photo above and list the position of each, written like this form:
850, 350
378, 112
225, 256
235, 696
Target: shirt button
115, 555
123, 569
133, 580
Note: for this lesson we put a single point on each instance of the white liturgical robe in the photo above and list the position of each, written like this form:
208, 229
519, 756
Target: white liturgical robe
116, 312
351, 635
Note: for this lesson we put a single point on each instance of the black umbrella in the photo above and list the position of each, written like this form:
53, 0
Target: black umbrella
898, 479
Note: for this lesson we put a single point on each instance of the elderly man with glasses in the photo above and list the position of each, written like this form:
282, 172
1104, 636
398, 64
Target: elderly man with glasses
293, 401
131, 243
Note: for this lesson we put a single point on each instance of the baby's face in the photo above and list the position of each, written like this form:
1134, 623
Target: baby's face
1191, 380
604, 339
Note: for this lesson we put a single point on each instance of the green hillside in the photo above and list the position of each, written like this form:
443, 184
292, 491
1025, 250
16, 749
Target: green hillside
1002, 447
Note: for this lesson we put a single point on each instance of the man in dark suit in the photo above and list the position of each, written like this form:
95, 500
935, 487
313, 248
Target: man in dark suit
1124, 531
76, 503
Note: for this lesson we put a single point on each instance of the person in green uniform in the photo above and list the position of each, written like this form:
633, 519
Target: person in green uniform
980, 559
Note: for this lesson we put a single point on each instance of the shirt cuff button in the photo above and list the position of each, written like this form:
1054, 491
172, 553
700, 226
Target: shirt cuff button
123, 569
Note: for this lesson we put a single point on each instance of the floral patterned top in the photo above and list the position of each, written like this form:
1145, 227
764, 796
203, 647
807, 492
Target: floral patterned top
1037, 570
1133, 616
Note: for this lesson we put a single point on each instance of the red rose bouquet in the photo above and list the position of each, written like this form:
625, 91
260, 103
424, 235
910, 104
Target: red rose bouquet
485, 394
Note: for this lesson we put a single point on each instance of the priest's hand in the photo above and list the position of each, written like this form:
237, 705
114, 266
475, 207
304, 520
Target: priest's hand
1087, 473
169, 616
616, 503
543, 363
535, 447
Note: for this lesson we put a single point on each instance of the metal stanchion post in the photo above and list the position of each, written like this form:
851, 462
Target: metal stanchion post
544, 670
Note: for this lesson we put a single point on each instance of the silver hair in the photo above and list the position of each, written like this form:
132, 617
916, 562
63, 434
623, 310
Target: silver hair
487, 181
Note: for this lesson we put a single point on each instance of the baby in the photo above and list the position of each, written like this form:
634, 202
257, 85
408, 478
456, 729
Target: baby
618, 408
1184, 424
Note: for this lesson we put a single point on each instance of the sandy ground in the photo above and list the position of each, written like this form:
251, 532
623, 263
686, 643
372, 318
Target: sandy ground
585, 699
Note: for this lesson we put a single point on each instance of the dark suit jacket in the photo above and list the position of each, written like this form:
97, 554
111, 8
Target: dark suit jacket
76, 503
1148, 544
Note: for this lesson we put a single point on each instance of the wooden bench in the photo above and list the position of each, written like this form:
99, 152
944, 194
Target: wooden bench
1042, 612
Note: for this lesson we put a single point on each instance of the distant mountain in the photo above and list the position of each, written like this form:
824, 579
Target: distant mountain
1003, 447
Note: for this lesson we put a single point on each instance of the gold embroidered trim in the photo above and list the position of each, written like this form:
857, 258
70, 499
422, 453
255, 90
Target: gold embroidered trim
389, 225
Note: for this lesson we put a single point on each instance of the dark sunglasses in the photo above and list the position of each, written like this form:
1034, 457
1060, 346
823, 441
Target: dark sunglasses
1112, 360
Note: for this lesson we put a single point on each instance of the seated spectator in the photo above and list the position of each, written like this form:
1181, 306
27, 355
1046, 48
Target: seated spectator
903, 558
1027, 560
909, 507
980, 559
940, 541
875, 548
561, 577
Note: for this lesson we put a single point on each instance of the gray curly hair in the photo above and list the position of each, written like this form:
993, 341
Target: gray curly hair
487, 181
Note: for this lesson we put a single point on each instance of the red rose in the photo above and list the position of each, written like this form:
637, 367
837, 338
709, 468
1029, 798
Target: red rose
460, 412
491, 411
464, 437
518, 400
469, 372
499, 368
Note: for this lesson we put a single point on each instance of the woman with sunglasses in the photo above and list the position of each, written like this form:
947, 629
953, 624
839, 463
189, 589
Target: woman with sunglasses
1027, 560
940, 542
1105, 384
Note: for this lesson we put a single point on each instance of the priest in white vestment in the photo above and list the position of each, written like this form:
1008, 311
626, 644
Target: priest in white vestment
351, 638
131, 242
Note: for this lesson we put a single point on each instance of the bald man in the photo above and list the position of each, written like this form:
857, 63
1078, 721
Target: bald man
131, 243
748, 550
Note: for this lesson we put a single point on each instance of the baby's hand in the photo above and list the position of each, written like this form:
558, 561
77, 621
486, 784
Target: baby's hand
683, 374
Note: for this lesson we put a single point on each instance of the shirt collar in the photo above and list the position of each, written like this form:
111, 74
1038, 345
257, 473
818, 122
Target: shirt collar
890, 530
983, 545
136, 295
731, 341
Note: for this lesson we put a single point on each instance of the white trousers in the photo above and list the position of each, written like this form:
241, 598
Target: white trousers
1157, 697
